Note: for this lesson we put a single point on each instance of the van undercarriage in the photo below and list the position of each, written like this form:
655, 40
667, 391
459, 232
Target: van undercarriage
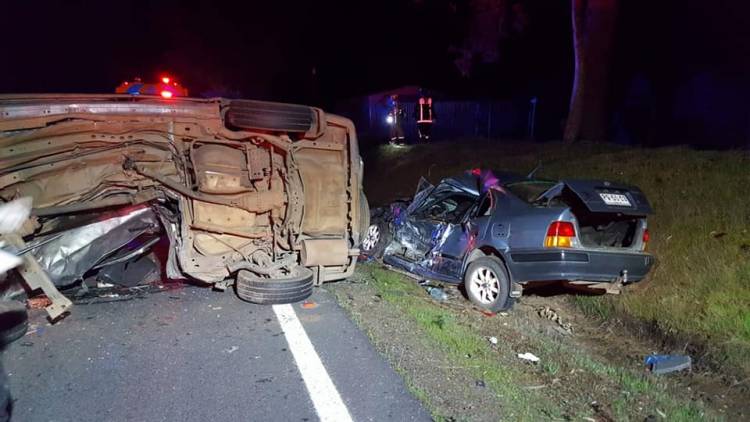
271, 191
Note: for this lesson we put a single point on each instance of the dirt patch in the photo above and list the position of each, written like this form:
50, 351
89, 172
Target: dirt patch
588, 368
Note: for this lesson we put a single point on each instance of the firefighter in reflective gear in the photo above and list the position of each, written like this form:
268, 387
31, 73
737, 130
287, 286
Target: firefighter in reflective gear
425, 117
395, 119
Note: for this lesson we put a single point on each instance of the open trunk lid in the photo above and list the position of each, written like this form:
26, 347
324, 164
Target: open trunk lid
602, 196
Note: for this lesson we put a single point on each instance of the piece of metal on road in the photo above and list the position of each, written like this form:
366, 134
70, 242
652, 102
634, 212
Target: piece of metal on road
323, 393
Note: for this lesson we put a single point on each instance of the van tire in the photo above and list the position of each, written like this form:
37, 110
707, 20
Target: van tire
272, 291
364, 216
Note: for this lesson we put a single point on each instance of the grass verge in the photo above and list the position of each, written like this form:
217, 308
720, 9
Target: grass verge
568, 383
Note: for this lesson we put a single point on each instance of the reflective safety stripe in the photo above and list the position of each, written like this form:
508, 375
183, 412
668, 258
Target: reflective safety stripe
425, 110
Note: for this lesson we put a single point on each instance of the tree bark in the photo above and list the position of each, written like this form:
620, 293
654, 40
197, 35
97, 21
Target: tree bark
593, 47
575, 111
600, 26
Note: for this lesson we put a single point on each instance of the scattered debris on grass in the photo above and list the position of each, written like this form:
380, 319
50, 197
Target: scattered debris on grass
717, 234
664, 364
550, 314
529, 357
437, 293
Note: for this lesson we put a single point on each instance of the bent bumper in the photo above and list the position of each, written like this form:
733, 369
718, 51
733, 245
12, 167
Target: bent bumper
559, 264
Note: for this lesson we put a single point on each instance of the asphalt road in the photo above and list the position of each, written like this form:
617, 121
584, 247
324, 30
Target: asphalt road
197, 355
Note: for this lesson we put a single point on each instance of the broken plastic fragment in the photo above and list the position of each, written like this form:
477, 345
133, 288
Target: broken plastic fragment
663, 364
529, 357
437, 293
308, 304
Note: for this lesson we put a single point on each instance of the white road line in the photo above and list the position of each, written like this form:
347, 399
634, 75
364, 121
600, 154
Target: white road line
323, 393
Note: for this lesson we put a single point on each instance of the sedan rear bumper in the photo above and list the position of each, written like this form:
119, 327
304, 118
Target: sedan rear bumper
586, 265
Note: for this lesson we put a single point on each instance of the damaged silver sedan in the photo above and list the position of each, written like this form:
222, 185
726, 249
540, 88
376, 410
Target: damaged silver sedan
498, 232
263, 196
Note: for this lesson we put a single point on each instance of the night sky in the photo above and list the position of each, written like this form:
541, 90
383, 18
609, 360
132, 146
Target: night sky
672, 55
270, 50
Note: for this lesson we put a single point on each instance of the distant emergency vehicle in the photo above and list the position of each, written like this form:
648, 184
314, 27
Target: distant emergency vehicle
166, 87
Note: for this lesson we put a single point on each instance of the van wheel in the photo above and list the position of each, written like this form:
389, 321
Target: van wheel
364, 216
376, 238
270, 291
487, 284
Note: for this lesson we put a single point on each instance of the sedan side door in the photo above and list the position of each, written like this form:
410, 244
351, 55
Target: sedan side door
461, 237
436, 230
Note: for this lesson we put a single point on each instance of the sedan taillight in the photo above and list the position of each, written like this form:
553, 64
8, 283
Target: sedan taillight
560, 235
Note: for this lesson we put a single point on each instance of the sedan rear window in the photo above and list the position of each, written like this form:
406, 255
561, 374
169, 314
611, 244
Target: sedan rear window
530, 190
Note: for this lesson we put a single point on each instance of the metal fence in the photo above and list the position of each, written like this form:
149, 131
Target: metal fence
453, 119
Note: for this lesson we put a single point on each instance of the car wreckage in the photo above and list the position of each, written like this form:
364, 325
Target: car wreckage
497, 232
263, 196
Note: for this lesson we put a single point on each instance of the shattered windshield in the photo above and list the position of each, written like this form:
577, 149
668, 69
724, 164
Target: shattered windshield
530, 190
423, 189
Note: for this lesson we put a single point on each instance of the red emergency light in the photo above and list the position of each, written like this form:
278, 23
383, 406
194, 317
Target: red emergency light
165, 87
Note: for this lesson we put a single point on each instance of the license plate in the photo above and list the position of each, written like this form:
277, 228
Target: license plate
615, 199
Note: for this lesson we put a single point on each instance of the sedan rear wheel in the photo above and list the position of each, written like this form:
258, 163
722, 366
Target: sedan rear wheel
487, 284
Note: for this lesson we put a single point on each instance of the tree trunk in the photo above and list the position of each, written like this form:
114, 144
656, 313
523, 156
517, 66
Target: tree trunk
600, 26
575, 111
